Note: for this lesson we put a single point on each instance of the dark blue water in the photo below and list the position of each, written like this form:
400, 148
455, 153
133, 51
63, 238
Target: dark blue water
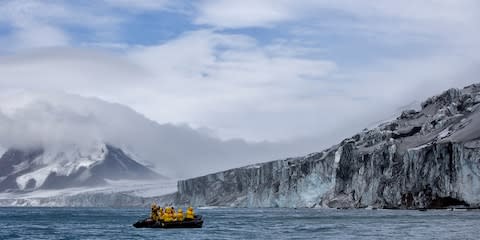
109, 223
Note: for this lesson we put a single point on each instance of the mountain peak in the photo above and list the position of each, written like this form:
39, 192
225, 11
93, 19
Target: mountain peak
72, 166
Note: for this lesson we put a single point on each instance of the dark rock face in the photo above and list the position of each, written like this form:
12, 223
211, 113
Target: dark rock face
27, 170
423, 159
9, 163
117, 165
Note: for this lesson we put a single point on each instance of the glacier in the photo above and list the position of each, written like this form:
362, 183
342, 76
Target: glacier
118, 193
425, 158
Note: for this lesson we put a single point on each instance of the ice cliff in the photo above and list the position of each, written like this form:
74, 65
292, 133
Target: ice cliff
423, 159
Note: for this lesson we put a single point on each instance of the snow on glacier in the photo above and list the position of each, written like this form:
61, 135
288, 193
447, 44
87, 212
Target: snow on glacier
56, 197
445, 133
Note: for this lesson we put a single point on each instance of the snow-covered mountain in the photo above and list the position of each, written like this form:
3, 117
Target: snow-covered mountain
90, 175
70, 166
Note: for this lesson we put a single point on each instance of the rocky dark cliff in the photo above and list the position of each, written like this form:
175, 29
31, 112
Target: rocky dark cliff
423, 159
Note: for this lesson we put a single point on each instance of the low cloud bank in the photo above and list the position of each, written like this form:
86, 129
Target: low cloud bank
57, 120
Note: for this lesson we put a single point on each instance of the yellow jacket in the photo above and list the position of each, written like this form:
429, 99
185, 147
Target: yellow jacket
190, 214
168, 215
153, 214
161, 215
180, 215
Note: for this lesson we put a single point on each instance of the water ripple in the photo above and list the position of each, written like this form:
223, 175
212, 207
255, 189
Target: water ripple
222, 223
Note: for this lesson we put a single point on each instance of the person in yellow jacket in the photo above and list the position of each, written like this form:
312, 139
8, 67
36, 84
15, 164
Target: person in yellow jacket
153, 214
190, 214
160, 214
168, 216
180, 215
165, 214
157, 214
172, 214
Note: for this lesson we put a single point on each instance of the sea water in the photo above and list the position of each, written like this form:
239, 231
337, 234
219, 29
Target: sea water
238, 223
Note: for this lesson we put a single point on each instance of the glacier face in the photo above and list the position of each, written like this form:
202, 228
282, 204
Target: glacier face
295, 182
423, 159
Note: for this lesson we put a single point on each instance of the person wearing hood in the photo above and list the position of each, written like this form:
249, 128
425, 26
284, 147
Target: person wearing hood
190, 214
179, 214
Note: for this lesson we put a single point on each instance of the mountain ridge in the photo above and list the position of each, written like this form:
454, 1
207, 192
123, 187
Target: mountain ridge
37, 168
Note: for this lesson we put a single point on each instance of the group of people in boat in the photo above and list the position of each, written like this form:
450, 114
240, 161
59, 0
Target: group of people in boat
168, 214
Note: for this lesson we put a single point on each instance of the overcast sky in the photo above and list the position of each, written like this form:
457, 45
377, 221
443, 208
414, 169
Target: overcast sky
258, 70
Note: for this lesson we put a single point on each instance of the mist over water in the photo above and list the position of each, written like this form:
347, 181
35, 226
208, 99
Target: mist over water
108, 223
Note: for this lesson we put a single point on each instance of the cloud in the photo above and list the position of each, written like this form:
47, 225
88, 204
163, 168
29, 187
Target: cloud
230, 14
234, 14
140, 4
214, 76
67, 69
54, 120
37, 24
200, 74
21, 13
426, 25
37, 36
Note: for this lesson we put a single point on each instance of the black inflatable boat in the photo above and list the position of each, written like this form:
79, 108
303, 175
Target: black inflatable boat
149, 223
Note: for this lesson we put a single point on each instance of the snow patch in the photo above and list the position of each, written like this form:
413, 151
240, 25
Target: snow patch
39, 176
419, 147
338, 155
445, 133
392, 149
254, 166
2, 151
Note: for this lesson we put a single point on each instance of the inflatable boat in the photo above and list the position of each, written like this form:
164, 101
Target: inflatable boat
197, 222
